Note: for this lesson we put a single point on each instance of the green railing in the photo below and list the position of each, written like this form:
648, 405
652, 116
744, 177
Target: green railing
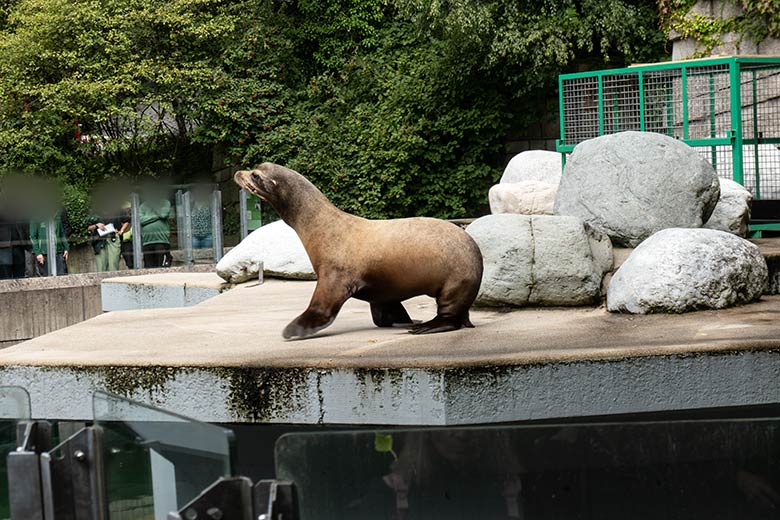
727, 108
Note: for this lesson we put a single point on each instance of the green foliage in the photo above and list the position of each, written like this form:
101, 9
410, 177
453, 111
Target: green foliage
402, 108
392, 107
76, 201
131, 73
762, 18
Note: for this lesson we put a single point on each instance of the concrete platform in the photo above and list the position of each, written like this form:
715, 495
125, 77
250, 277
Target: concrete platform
224, 360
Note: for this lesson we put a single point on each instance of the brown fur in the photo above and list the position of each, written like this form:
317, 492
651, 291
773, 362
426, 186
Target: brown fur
383, 262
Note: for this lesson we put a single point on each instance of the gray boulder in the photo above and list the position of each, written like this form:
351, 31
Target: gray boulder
680, 270
275, 248
533, 165
732, 213
632, 184
540, 260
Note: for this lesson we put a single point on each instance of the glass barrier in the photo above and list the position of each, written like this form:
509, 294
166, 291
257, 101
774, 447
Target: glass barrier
14, 407
671, 470
157, 461
115, 227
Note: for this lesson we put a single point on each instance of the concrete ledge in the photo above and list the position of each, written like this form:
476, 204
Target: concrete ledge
224, 361
159, 291
35, 306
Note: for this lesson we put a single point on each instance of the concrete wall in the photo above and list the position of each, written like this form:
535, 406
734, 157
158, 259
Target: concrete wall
32, 307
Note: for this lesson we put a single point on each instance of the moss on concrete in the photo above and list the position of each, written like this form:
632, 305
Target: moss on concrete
259, 394
128, 381
378, 375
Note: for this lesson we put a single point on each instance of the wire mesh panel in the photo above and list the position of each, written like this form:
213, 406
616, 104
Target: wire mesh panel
709, 102
663, 102
720, 157
760, 88
580, 109
620, 93
727, 108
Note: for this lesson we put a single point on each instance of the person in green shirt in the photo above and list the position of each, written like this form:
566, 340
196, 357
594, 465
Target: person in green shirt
126, 236
40, 242
155, 232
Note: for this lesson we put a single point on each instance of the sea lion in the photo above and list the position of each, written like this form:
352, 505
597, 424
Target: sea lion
383, 262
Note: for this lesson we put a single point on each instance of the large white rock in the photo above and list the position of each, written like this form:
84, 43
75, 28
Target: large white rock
680, 270
732, 213
540, 260
533, 165
524, 197
632, 184
275, 248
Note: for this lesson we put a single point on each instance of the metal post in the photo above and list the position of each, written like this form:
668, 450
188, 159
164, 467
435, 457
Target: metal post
179, 217
243, 219
186, 225
51, 248
713, 126
135, 224
756, 136
684, 96
641, 101
216, 223
561, 111
73, 478
601, 103
736, 121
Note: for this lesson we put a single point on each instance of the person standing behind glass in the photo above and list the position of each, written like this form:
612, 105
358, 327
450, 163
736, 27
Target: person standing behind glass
126, 236
106, 242
40, 245
14, 240
201, 218
156, 232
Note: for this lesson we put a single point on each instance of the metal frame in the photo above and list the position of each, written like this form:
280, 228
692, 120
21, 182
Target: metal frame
61, 483
67, 482
613, 101
216, 224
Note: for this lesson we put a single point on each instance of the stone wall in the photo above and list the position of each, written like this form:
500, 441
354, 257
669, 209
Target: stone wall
732, 43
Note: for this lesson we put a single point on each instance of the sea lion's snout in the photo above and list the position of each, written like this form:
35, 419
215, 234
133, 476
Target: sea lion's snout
255, 181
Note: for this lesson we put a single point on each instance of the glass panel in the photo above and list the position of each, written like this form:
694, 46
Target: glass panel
670, 470
14, 407
157, 461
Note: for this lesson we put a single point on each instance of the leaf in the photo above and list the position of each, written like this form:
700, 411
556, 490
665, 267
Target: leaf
383, 443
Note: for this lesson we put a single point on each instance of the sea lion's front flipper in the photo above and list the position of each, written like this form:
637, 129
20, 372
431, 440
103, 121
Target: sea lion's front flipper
389, 314
326, 302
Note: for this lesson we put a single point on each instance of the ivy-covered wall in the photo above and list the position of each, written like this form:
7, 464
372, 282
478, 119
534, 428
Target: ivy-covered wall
701, 28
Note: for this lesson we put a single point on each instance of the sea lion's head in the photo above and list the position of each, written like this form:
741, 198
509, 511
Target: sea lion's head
285, 189
268, 181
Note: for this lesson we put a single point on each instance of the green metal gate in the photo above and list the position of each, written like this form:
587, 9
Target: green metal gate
727, 108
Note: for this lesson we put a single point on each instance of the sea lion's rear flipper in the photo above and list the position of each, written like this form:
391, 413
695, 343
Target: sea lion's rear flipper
389, 314
438, 324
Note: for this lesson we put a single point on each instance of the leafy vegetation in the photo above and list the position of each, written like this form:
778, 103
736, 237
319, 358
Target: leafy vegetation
392, 107
752, 19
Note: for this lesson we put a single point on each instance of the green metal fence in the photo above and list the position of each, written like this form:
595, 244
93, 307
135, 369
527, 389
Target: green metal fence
727, 108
